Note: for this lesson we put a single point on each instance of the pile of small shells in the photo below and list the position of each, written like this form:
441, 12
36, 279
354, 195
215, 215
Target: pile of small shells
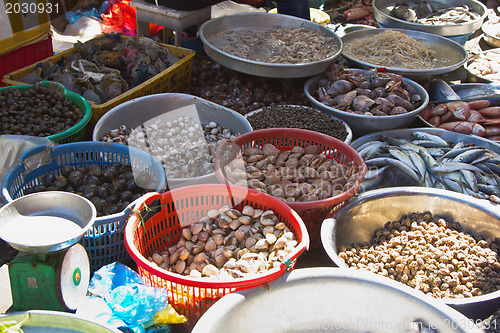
300, 174
184, 147
431, 255
228, 243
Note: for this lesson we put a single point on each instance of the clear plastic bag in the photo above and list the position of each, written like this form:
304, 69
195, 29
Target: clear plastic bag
130, 303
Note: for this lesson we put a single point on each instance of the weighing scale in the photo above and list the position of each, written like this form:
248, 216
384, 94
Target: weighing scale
51, 271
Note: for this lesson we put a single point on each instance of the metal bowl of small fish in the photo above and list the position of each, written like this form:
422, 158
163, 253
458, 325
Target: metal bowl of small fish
431, 157
362, 123
265, 44
484, 67
360, 219
329, 299
444, 18
491, 30
414, 54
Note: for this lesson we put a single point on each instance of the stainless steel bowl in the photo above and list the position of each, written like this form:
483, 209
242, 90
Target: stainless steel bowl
168, 107
68, 206
357, 221
450, 55
42, 321
329, 299
382, 8
476, 78
491, 32
348, 138
361, 124
259, 21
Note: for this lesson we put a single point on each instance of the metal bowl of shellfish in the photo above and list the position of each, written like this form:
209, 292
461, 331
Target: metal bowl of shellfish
366, 123
142, 116
265, 55
331, 300
444, 18
358, 221
491, 31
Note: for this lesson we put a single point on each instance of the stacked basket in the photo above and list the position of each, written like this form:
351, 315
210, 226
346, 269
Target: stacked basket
156, 224
104, 242
313, 212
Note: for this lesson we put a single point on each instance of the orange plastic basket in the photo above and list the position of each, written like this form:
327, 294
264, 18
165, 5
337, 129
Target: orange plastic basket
157, 221
313, 212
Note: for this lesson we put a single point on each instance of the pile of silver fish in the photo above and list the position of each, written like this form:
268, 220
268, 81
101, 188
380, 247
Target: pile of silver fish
428, 160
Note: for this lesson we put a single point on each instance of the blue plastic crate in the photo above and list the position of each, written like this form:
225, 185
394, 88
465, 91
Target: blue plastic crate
104, 242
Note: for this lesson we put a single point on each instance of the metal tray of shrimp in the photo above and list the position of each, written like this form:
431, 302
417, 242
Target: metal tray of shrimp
382, 12
210, 33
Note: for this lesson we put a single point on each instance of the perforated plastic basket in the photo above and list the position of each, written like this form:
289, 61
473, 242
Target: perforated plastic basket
78, 131
313, 212
157, 221
104, 242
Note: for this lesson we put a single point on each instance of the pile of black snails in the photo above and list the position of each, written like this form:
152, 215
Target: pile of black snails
37, 111
111, 189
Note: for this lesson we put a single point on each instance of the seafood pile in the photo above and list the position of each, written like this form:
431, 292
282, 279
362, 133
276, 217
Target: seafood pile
38, 111
297, 116
486, 65
296, 175
283, 45
431, 255
427, 12
367, 92
242, 92
111, 190
105, 67
391, 48
474, 117
184, 147
229, 243
430, 161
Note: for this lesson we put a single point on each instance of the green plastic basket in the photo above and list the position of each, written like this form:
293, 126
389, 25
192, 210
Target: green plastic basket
78, 131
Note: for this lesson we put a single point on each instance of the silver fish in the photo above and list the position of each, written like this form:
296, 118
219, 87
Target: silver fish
468, 156
403, 157
429, 137
450, 167
469, 179
404, 168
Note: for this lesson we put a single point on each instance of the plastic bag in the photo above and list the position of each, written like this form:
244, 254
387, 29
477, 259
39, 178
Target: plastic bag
120, 18
124, 301
72, 17
11, 148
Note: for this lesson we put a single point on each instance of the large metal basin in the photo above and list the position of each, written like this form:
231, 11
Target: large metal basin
41, 321
450, 55
357, 221
168, 107
259, 21
330, 300
381, 12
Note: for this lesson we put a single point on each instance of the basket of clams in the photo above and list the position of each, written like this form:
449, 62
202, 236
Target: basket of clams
311, 172
201, 242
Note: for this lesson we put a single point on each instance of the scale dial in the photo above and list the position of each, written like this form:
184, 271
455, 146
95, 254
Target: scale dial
74, 276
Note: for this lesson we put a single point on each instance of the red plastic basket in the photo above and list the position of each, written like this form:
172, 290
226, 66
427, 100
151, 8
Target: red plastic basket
313, 212
163, 217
